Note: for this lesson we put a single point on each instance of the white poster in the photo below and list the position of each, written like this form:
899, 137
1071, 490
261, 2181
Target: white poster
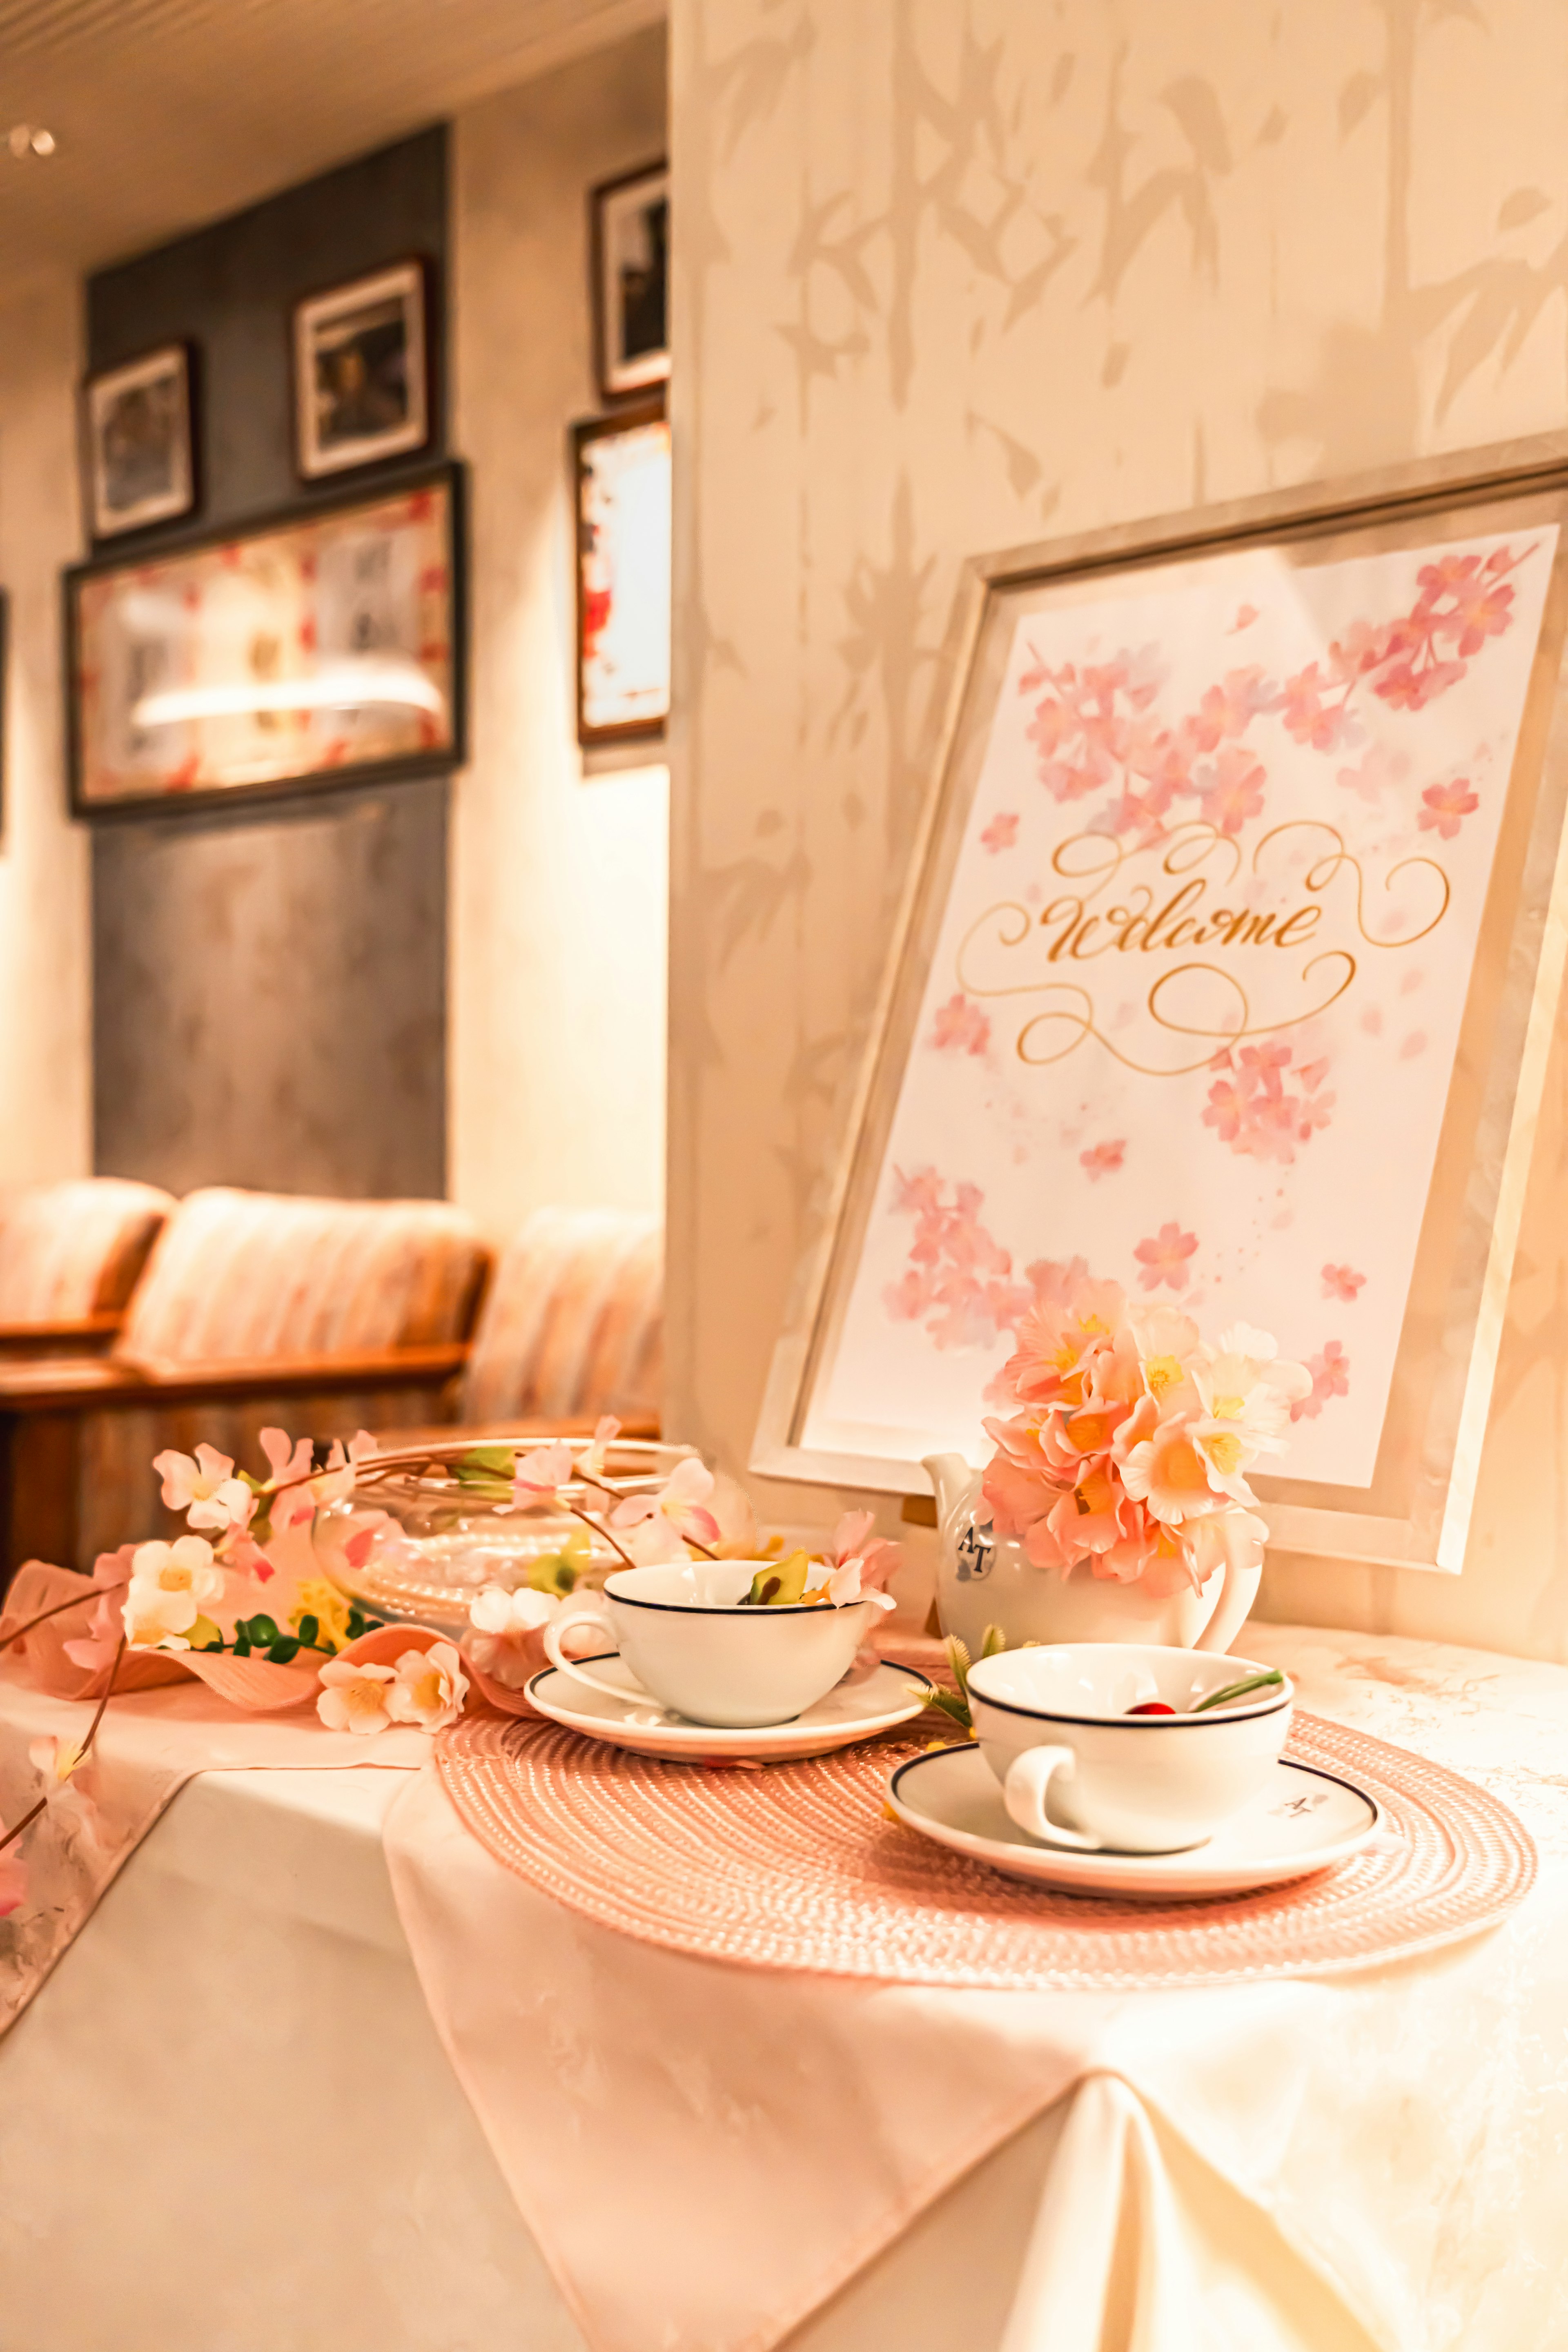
1197, 988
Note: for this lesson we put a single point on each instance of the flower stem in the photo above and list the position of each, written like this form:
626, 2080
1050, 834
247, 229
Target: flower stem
95, 1592
27, 1822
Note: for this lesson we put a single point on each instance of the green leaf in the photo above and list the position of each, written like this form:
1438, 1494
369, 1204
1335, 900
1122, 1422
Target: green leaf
284, 1651
487, 1462
241, 1646
958, 1659
1234, 1691
258, 1631
205, 1635
994, 1642
949, 1703
780, 1586
308, 1629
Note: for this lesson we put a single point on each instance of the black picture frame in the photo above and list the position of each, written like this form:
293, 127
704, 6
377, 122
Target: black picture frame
173, 366
449, 477
410, 279
628, 419
620, 376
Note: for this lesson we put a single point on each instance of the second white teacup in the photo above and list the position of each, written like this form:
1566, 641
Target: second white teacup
683, 1633
1077, 1769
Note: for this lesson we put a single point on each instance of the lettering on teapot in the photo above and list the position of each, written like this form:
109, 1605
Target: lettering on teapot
976, 1551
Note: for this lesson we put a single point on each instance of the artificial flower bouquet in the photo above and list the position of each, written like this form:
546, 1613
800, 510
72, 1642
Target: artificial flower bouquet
1130, 1437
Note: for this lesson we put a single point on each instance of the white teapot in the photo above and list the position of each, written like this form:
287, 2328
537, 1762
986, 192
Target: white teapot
983, 1579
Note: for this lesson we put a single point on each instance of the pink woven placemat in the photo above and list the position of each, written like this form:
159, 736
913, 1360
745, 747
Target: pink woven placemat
798, 1867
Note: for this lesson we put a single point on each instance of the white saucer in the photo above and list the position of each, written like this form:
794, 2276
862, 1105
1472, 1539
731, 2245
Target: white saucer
850, 1711
1303, 1821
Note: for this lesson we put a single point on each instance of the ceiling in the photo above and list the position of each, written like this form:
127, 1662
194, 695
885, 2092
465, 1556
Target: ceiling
167, 113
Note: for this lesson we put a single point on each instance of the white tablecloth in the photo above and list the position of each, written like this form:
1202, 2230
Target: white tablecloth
226, 2122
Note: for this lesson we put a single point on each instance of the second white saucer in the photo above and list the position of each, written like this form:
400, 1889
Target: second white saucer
1303, 1819
851, 1711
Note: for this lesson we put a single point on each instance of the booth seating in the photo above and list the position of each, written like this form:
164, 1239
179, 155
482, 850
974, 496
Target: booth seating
322, 1316
69, 1257
573, 1324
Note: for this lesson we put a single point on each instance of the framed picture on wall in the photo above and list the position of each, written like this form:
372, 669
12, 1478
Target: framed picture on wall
629, 241
362, 372
298, 653
139, 456
1228, 970
621, 478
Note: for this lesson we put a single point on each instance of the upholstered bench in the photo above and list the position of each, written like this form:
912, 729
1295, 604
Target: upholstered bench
69, 1257
321, 1316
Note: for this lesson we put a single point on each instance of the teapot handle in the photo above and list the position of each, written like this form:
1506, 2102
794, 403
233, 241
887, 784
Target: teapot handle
1231, 1610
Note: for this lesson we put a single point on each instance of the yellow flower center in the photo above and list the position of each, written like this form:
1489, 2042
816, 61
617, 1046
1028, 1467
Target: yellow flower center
1229, 1408
173, 1578
364, 1698
1180, 1467
1090, 1432
1163, 1372
1225, 1452
1093, 1494
424, 1689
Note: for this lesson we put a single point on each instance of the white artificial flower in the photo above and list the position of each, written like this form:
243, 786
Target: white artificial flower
354, 1697
503, 1629
429, 1687
170, 1587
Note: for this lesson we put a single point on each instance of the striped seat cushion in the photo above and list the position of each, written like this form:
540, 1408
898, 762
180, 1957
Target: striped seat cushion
239, 1274
68, 1251
574, 1322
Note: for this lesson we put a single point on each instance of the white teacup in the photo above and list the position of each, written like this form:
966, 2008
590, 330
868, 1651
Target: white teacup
1077, 1771
694, 1649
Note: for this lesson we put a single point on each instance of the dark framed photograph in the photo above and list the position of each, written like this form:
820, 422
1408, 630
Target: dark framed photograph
630, 241
621, 466
302, 652
139, 459
362, 372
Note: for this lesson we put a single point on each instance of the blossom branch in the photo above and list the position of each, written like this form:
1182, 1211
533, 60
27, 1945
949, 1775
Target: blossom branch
97, 1593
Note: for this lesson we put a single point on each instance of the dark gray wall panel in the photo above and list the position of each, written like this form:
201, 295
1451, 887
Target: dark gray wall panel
270, 1008
230, 289
269, 987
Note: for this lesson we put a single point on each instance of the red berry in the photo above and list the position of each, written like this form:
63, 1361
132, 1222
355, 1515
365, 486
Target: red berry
1151, 1707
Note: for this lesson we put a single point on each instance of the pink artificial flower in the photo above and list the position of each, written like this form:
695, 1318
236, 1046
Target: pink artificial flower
1103, 1158
539, 1476
1163, 1257
1002, 833
1447, 805
505, 1632
205, 1489
335, 1484
1343, 1283
606, 1429
1055, 1336
94, 1650
288, 1461
860, 1563
960, 1026
70, 1784
12, 1879
660, 1525
1168, 1472
1020, 1484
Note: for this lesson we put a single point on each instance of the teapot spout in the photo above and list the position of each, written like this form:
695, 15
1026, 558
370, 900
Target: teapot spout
954, 1482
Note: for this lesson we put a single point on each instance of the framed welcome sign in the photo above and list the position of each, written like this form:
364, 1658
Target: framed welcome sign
1229, 968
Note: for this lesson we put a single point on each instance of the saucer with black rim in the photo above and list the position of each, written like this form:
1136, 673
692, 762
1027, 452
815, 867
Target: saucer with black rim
1303, 1819
850, 1711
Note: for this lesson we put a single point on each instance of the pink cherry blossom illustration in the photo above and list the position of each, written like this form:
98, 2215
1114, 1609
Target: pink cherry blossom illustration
1343, 1283
958, 1279
1231, 791
1163, 1257
1002, 833
1245, 616
960, 1026
1331, 1373
1445, 805
1262, 1107
1103, 1158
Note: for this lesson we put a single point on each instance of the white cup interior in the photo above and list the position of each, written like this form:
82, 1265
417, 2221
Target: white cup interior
1099, 1682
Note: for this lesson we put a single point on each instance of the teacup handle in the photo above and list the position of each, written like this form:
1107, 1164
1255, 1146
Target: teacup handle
1024, 1795
589, 1611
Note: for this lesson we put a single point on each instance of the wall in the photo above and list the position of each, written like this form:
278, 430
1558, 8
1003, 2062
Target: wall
559, 877
952, 277
44, 1014
270, 985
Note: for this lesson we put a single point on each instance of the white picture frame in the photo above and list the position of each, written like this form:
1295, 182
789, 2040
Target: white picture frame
139, 459
362, 372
